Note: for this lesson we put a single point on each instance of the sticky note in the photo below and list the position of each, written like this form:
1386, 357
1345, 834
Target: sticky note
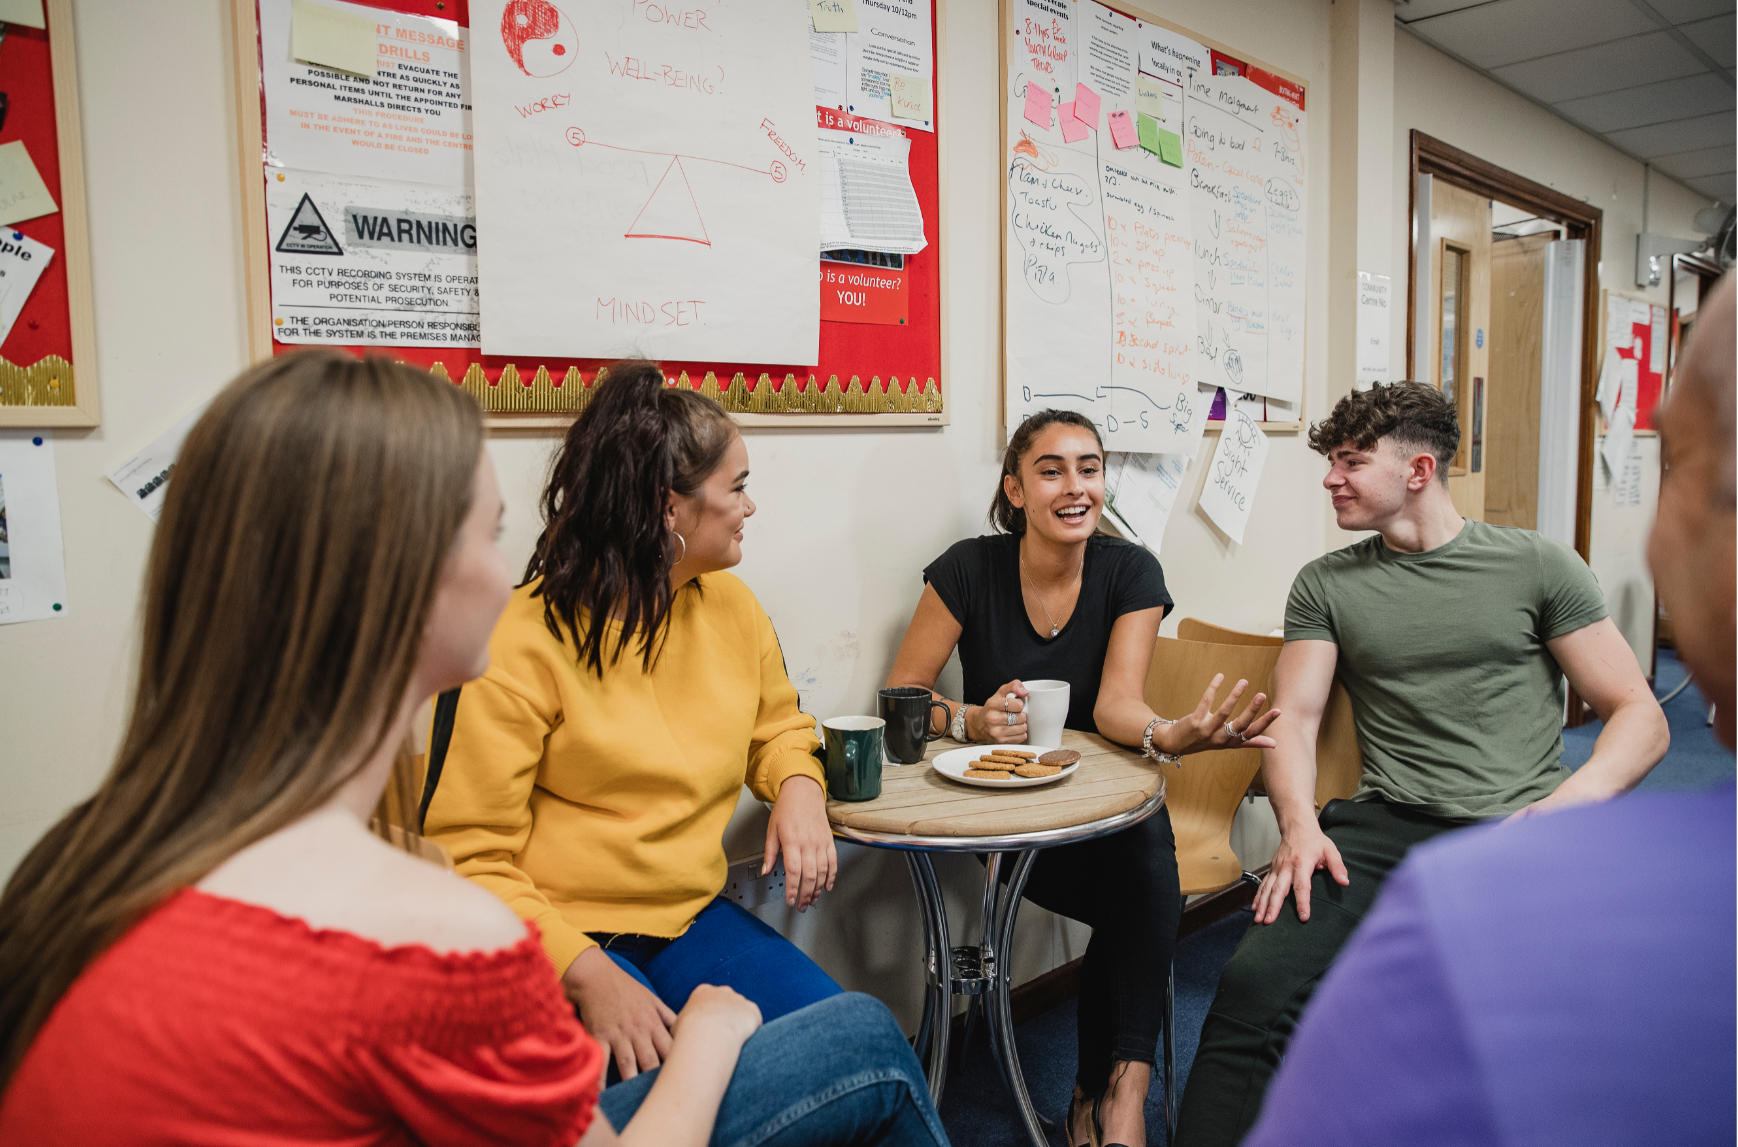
1086, 106
834, 15
1122, 130
1149, 97
1171, 147
911, 97
333, 39
1149, 129
1073, 131
23, 195
1038, 105
26, 12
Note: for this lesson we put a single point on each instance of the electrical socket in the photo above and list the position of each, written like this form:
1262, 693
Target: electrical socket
744, 884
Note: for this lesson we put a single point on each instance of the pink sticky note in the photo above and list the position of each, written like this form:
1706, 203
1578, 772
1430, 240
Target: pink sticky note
1086, 106
1122, 130
1038, 105
1073, 131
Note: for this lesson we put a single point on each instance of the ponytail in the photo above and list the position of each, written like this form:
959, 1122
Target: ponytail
604, 549
1004, 515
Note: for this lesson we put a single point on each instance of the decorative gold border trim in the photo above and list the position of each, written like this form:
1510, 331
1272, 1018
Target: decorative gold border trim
47, 382
541, 394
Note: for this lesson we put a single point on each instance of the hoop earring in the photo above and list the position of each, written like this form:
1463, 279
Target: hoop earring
684, 542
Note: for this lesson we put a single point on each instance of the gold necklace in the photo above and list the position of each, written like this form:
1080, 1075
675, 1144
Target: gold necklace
1027, 578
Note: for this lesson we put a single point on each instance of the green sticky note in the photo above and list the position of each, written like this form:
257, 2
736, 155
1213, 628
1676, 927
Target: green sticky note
1171, 147
1149, 129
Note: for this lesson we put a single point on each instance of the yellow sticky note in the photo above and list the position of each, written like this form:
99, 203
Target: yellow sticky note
1149, 98
834, 15
911, 97
26, 12
23, 195
332, 39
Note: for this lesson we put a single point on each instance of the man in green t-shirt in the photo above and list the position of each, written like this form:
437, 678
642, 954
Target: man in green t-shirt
1452, 638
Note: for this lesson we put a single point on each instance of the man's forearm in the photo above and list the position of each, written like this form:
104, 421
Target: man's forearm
1631, 744
1289, 772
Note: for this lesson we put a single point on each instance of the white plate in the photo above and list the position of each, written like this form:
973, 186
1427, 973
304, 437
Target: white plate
954, 763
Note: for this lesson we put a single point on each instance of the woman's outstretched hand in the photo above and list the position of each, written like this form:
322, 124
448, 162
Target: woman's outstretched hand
1002, 719
799, 828
1213, 727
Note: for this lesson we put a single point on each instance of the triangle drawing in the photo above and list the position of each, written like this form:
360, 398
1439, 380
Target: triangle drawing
307, 233
671, 212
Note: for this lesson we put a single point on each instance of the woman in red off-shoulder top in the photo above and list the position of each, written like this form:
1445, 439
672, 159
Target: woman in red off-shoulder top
214, 949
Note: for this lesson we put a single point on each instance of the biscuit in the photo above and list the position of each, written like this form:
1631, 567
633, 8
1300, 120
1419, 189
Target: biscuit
1007, 754
1037, 770
1063, 757
987, 774
990, 763
1010, 762
1015, 753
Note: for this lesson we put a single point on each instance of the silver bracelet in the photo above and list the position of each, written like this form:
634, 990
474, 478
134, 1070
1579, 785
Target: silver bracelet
957, 729
1158, 755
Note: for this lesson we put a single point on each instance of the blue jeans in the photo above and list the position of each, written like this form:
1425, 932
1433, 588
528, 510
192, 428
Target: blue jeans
835, 1073
726, 946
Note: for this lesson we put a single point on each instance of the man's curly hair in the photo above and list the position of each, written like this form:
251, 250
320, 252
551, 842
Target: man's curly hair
1414, 414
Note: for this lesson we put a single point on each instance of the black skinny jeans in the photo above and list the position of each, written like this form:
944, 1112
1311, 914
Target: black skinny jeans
1124, 887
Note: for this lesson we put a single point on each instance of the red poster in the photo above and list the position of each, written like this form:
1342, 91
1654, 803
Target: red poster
855, 294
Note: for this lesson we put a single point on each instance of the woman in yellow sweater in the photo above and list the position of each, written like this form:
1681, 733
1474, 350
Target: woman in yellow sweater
634, 687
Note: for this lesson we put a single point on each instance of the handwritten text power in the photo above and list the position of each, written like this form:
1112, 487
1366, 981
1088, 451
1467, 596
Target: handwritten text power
692, 19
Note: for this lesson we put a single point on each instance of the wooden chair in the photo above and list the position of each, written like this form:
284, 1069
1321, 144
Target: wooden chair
1339, 760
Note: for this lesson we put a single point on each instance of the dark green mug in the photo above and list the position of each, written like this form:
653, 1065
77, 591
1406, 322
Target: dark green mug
854, 756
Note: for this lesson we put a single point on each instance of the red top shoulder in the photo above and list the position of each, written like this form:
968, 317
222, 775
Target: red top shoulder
214, 1021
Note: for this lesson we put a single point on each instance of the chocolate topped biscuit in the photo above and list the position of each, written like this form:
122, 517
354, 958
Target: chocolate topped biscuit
1059, 757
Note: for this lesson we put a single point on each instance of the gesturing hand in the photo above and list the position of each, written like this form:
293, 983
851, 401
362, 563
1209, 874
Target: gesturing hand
799, 826
1294, 863
1002, 719
1210, 727
619, 1012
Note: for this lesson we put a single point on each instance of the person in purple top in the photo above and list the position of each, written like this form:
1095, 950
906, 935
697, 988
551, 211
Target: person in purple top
1567, 979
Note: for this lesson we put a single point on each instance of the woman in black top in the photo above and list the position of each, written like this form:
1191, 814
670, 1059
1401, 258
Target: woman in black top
1048, 598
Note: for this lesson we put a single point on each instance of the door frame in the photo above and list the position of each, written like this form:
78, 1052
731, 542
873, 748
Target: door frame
1431, 156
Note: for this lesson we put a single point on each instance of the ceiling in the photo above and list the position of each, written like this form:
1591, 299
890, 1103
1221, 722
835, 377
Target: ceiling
1653, 78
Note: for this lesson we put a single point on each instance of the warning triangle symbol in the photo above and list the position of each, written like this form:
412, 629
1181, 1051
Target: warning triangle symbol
671, 212
307, 233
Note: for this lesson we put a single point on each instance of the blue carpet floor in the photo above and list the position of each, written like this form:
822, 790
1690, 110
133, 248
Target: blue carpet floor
977, 1111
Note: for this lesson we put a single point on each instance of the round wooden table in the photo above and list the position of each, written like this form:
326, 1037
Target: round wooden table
920, 811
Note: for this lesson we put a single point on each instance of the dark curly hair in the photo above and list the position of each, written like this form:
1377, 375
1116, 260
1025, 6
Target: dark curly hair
604, 546
1414, 414
1004, 515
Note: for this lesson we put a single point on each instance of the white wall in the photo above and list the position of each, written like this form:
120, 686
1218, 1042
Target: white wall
847, 518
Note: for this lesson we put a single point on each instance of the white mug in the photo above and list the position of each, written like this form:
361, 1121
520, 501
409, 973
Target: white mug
1046, 712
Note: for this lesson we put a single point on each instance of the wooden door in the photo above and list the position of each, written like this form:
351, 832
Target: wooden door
1456, 359
1511, 434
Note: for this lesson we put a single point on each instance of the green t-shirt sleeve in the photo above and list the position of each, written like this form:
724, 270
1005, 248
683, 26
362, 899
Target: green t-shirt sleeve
1572, 599
1306, 610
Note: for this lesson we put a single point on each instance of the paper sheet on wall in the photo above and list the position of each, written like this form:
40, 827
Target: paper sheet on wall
671, 208
23, 194
411, 121
1142, 489
32, 561
22, 260
892, 36
1626, 484
1234, 473
371, 261
1657, 342
1244, 159
1374, 294
144, 478
867, 201
1618, 436
1046, 47
827, 54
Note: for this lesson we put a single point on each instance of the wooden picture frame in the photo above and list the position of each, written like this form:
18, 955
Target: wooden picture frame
852, 395
86, 407
1004, 17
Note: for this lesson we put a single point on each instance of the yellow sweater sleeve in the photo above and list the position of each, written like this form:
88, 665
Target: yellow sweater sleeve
482, 810
784, 738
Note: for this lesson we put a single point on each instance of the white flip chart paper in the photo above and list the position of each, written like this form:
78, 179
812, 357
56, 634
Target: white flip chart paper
32, 563
669, 204
1234, 473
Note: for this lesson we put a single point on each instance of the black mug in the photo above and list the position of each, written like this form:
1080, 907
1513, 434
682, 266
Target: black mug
906, 710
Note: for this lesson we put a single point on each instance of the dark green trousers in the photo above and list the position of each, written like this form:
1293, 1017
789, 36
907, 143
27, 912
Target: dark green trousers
1276, 967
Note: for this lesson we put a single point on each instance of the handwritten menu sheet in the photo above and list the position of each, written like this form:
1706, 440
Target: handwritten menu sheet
646, 186
1233, 474
1139, 279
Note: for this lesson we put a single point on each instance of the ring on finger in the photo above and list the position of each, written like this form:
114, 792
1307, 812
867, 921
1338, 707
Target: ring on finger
1234, 735
1010, 717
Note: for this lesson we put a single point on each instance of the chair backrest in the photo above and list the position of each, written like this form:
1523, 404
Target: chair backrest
1194, 629
1202, 794
1339, 760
